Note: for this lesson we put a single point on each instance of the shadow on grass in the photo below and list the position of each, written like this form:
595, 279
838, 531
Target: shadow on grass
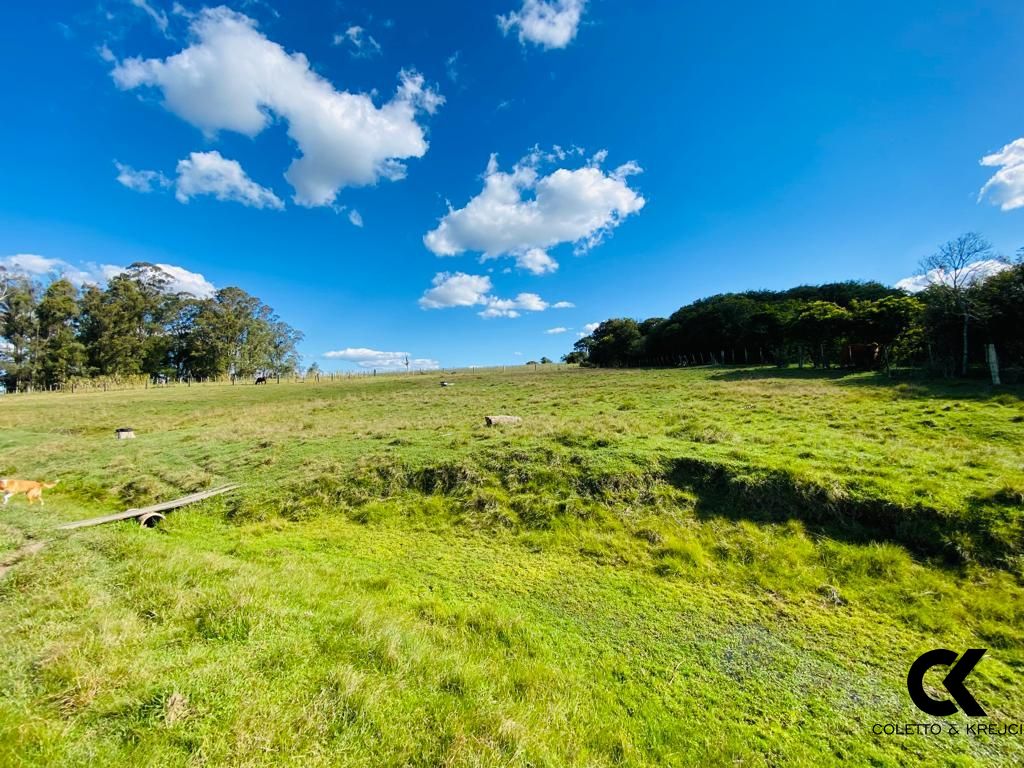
905, 384
988, 531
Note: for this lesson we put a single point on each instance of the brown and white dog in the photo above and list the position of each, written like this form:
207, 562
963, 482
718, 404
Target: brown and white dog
32, 489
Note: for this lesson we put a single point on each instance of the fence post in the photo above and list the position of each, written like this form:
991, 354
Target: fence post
993, 363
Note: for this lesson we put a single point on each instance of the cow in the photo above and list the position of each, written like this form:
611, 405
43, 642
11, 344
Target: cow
261, 379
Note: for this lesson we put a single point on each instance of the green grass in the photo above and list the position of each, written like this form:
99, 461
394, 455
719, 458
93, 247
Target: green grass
733, 567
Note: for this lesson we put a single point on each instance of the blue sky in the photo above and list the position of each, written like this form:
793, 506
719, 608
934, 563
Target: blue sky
656, 152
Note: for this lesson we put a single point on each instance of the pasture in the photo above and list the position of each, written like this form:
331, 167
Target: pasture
725, 566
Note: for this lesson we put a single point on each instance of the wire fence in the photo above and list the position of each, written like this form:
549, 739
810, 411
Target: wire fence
137, 383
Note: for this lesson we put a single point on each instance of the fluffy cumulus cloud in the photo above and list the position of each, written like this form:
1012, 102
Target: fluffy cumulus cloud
375, 358
1006, 187
523, 213
457, 289
179, 279
203, 173
209, 173
547, 23
232, 78
976, 272
523, 302
183, 281
536, 261
140, 181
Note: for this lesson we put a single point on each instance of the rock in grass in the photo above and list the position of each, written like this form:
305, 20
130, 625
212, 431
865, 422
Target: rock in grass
176, 708
490, 421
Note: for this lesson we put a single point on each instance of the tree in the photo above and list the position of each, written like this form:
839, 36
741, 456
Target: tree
4, 283
821, 324
884, 321
769, 326
576, 357
136, 325
284, 343
614, 343
19, 327
999, 304
60, 353
951, 272
124, 326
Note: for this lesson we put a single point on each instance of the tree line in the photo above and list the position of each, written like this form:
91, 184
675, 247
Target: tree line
52, 334
947, 327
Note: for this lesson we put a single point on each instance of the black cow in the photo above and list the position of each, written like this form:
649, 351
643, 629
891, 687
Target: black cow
261, 379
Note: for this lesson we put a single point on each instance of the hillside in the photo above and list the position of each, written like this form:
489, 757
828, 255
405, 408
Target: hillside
717, 565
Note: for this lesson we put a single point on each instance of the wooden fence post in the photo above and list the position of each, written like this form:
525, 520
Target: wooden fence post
993, 363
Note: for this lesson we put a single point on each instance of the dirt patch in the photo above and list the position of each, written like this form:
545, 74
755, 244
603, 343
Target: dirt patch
26, 550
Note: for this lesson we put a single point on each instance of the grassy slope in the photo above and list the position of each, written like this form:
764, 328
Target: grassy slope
400, 584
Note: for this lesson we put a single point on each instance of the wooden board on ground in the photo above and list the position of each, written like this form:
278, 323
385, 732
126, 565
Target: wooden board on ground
153, 509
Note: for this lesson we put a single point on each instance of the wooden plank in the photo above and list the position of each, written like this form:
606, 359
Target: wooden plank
161, 507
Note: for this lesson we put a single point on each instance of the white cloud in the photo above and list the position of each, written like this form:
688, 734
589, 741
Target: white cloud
184, 281
522, 213
36, 266
524, 302
556, 330
159, 17
563, 305
461, 290
536, 261
1006, 187
180, 280
233, 78
360, 44
209, 173
203, 173
451, 66
979, 271
140, 181
456, 290
374, 358
547, 23
355, 217
591, 327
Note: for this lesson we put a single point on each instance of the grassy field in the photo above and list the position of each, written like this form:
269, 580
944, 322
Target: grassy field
717, 566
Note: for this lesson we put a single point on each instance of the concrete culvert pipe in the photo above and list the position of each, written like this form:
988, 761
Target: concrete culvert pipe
150, 519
